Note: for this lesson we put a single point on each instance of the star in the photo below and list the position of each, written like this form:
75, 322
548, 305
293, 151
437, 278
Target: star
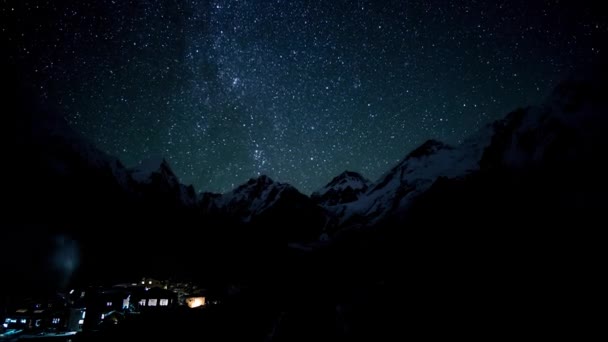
228, 90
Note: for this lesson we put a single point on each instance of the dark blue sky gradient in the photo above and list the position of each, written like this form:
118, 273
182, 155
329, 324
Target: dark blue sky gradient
297, 90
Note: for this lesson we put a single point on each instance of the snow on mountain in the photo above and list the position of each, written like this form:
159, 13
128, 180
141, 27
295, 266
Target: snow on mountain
278, 210
413, 175
563, 131
156, 172
344, 188
252, 198
566, 128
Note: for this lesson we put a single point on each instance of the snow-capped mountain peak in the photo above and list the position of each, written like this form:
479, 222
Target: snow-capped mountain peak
428, 148
414, 175
344, 188
346, 179
253, 197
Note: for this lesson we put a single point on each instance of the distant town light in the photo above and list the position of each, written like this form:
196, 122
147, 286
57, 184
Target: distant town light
195, 302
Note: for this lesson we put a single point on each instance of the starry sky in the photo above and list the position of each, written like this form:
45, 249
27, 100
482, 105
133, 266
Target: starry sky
297, 90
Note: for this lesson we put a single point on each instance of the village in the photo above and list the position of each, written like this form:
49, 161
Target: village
97, 309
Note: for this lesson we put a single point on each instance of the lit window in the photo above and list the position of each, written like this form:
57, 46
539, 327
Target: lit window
152, 302
195, 302
164, 302
55, 320
142, 302
81, 321
84, 313
23, 321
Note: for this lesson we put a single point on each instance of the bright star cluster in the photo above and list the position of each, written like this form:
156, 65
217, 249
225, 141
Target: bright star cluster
297, 90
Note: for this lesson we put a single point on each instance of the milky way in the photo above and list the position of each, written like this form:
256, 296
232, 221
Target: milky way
297, 90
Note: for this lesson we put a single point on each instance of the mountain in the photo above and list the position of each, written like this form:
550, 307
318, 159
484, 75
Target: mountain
345, 188
154, 177
479, 237
61, 186
563, 133
491, 232
263, 202
253, 198
395, 190
542, 164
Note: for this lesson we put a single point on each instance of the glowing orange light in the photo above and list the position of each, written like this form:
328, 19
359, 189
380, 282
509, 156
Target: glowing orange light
195, 302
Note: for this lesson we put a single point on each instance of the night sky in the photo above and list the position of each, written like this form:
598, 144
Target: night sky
298, 90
